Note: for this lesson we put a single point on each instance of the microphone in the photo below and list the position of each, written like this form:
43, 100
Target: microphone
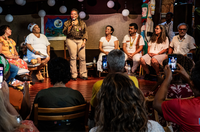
73, 19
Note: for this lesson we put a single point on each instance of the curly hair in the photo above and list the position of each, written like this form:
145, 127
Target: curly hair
112, 29
59, 70
3, 29
121, 105
162, 37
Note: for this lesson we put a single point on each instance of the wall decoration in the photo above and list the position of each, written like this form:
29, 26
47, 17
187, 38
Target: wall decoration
53, 26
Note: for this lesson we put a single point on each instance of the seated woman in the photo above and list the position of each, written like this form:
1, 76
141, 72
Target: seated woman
7, 47
9, 117
38, 48
106, 44
157, 49
121, 107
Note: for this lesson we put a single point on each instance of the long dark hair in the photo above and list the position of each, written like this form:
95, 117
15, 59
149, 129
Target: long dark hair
3, 29
121, 105
162, 37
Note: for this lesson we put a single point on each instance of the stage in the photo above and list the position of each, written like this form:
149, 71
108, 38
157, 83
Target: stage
83, 86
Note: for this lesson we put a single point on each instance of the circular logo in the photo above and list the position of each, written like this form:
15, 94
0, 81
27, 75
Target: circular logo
58, 23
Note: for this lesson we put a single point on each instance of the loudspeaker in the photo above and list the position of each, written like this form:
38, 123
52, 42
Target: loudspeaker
183, 13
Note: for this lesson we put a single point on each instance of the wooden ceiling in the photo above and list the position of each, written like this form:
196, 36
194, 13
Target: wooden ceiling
89, 6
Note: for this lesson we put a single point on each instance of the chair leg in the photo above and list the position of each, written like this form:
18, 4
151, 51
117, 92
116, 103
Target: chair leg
47, 70
141, 70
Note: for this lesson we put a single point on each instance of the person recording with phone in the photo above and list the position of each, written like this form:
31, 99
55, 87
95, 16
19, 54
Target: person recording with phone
76, 31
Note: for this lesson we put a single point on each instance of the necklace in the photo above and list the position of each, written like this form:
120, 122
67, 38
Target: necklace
131, 43
180, 40
9, 44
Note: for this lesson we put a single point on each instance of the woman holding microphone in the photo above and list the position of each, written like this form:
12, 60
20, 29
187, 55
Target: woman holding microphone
75, 30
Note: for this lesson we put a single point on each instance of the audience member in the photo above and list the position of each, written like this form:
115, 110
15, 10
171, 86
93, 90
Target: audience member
106, 44
7, 47
169, 25
183, 112
10, 120
38, 48
116, 62
157, 49
182, 43
133, 45
121, 107
59, 96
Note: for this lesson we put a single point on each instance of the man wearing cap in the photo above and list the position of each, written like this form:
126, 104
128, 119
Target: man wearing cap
38, 47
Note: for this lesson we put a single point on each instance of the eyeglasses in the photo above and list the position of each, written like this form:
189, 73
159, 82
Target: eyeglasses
182, 29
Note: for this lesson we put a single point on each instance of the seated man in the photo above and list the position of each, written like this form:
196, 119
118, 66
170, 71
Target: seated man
59, 96
184, 112
182, 43
133, 45
116, 62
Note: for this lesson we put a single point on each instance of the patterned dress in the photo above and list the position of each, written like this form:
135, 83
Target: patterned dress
8, 49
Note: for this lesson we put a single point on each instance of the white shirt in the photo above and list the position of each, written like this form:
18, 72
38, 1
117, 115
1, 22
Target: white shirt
182, 46
169, 29
38, 44
152, 126
108, 45
156, 48
128, 39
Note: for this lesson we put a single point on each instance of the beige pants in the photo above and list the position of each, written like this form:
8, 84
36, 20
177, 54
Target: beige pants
73, 47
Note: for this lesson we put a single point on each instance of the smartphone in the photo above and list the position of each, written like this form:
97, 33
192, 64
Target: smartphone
172, 62
1, 74
190, 55
104, 62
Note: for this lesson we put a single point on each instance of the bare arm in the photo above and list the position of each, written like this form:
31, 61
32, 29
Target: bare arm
31, 49
162, 92
162, 51
170, 50
16, 52
192, 51
48, 50
139, 49
124, 49
101, 48
116, 43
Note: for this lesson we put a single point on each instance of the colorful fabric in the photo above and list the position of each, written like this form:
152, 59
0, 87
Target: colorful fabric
8, 47
15, 97
26, 126
5, 63
184, 112
19, 63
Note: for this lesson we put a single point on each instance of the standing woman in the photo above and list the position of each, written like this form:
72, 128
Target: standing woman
7, 47
106, 44
157, 48
38, 48
76, 32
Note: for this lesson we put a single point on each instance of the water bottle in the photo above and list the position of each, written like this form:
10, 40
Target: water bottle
94, 60
129, 69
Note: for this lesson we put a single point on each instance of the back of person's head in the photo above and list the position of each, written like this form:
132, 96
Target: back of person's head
3, 29
195, 76
121, 105
134, 25
59, 70
116, 60
186, 62
8, 122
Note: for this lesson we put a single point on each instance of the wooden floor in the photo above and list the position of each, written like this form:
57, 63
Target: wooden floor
83, 86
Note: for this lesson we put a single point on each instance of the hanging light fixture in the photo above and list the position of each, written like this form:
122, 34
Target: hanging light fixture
82, 14
110, 4
9, 18
51, 2
19, 2
42, 13
80, 0
1, 9
125, 12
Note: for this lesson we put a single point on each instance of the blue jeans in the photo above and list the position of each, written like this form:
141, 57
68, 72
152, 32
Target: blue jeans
13, 72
